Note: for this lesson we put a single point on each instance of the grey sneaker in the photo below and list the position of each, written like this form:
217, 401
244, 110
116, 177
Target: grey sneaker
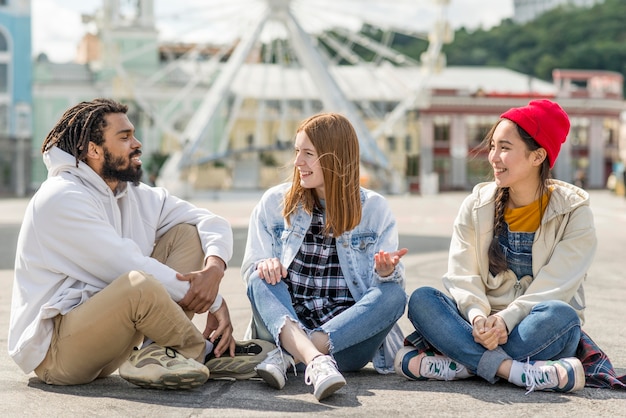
564, 375
322, 373
248, 354
159, 367
273, 370
428, 366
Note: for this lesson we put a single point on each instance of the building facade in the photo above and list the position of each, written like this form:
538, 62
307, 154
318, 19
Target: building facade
433, 146
455, 123
15, 96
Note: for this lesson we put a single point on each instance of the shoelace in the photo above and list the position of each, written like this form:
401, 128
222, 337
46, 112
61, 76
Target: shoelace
278, 358
170, 352
538, 378
439, 368
315, 369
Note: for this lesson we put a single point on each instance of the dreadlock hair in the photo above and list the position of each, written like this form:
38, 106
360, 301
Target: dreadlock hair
497, 260
81, 124
337, 146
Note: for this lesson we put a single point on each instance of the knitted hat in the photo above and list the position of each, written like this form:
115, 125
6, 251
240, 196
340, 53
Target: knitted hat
545, 121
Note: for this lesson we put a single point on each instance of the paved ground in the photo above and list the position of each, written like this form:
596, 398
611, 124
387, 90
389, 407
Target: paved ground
425, 225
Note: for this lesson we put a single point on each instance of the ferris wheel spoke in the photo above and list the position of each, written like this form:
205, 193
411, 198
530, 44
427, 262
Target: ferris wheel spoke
342, 50
290, 58
378, 48
234, 113
205, 113
283, 64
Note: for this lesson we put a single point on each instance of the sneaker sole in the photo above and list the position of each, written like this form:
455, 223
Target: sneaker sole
336, 383
575, 373
270, 379
173, 381
239, 368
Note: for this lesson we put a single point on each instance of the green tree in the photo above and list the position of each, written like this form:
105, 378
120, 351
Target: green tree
566, 37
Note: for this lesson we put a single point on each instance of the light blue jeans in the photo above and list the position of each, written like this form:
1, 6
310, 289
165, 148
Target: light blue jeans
551, 331
355, 334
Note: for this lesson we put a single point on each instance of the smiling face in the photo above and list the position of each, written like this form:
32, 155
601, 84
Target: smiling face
514, 165
307, 163
118, 158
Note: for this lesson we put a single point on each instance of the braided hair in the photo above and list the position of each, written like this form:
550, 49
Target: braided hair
81, 124
497, 260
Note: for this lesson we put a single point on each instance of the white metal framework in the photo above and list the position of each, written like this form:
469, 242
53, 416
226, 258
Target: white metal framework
303, 34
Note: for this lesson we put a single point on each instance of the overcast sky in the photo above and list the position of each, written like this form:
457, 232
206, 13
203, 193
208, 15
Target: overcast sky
59, 36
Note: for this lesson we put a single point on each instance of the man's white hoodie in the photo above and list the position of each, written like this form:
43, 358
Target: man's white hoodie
77, 236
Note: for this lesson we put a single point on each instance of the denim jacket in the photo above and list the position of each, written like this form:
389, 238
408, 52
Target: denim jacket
269, 236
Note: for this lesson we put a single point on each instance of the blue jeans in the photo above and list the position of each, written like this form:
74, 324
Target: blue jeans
355, 334
551, 331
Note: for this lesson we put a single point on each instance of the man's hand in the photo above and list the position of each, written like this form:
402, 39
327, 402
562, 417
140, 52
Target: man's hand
203, 285
218, 325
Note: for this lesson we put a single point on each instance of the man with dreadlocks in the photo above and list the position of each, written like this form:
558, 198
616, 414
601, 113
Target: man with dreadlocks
109, 271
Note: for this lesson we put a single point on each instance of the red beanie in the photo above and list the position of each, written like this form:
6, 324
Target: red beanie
545, 121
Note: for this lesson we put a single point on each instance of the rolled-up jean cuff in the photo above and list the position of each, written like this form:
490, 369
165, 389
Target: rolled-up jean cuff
416, 339
490, 362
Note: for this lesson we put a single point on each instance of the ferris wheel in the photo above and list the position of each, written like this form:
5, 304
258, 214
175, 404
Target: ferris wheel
285, 38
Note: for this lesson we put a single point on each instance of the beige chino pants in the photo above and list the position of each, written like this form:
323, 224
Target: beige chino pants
96, 337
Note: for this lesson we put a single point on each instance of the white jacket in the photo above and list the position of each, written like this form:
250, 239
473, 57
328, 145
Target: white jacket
77, 236
562, 252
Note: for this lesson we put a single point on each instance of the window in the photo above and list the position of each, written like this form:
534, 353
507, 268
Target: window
412, 165
579, 132
477, 129
317, 106
4, 78
22, 120
442, 129
4, 119
296, 106
130, 10
4, 64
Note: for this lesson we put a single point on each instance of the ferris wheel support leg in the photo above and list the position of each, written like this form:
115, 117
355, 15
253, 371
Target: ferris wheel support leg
200, 123
333, 97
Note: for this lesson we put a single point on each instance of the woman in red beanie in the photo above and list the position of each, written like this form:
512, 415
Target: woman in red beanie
520, 250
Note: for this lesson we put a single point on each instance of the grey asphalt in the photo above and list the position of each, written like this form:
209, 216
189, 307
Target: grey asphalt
424, 224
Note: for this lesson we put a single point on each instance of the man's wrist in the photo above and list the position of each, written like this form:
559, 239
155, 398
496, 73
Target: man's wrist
215, 261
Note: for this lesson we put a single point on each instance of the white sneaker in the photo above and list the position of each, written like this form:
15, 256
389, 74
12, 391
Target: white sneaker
564, 375
322, 373
430, 366
273, 370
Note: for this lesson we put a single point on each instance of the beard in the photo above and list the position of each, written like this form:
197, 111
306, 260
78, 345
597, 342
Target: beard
113, 168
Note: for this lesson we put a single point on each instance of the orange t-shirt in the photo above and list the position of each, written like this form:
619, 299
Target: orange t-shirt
527, 218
